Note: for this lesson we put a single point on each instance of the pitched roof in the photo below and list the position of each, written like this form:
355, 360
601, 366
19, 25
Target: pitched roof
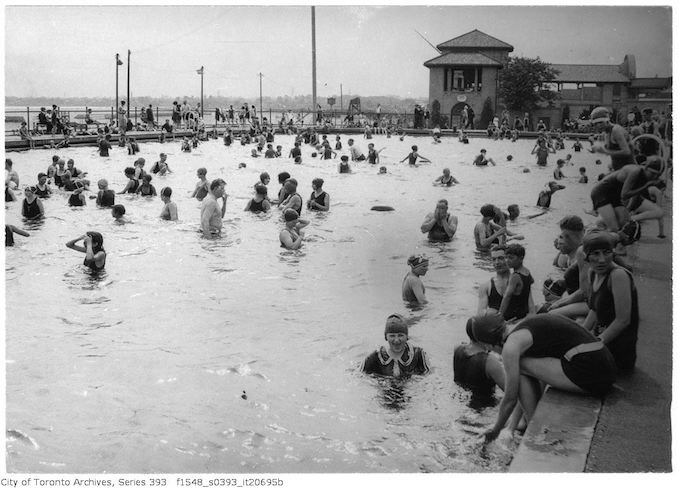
472, 59
474, 40
590, 73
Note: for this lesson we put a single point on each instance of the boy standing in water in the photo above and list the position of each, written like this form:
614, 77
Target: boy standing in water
414, 156
517, 299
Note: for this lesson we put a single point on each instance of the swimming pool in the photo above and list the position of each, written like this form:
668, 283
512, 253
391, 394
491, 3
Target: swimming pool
234, 355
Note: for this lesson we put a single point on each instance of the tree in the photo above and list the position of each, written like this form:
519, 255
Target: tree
435, 113
487, 114
524, 83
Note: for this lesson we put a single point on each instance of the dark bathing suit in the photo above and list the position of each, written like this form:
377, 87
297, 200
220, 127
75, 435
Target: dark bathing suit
256, 206
91, 264
437, 233
469, 369
320, 199
413, 361
589, 366
31, 210
623, 347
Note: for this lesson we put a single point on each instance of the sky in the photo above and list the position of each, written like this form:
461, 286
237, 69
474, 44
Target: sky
368, 50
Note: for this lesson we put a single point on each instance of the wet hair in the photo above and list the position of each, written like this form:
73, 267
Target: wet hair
216, 184
97, 241
415, 148
515, 250
487, 210
513, 209
8, 162
582, 170
202, 171
318, 182
102, 183
291, 181
147, 178
55, 158
264, 176
166, 192
118, 209
488, 328
129, 171
261, 189
290, 215
573, 223
283, 177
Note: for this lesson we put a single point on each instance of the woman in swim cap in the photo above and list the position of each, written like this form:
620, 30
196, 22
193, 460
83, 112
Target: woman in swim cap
398, 359
545, 348
413, 288
613, 300
93, 247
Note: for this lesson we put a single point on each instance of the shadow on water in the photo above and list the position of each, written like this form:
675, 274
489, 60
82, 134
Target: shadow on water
33, 224
85, 278
482, 260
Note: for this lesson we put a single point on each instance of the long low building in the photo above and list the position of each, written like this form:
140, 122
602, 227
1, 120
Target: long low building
467, 74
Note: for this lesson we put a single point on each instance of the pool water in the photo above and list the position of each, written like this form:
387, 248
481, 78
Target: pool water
235, 355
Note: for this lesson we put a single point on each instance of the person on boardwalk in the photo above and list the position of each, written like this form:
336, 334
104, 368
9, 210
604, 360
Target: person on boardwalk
292, 235
615, 142
400, 358
440, 224
93, 247
413, 290
211, 216
613, 299
543, 349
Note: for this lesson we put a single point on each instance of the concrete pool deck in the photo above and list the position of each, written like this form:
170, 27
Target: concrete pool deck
629, 431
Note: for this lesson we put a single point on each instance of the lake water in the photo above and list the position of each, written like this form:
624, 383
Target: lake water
144, 368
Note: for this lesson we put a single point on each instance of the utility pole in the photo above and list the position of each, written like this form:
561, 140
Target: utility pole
261, 112
341, 96
128, 105
117, 64
315, 104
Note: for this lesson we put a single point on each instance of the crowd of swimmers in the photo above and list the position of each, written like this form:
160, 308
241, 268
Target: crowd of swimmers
578, 339
584, 334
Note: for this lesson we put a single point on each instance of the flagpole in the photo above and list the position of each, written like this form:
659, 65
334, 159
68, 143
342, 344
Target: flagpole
117, 63
202, 103
128, 105
315, 105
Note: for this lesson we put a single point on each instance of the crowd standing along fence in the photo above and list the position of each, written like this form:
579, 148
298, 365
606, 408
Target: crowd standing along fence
77, 117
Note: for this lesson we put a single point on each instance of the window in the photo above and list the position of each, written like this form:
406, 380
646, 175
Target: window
616, 90
463, 79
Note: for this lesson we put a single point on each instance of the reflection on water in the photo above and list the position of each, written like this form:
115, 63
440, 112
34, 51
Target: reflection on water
142, 367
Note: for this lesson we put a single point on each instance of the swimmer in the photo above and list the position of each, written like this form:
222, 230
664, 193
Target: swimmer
254, 153
10, 173
105, 197
517, 297
414, 156
282, 194
270, 152
42, 189
400, 358
161, 167
202, 186
211, 217
104, 146
132, 184
31, 207
10, 230
319, 199
557, 172
337, 145
344, 167
93, 247
513, 212
260, 201
440, 224
544, 199
291, 237
582, 175
542, 150
482, 160
487, 232
185, 145
413, 290
77, 199
118, 213
146, 189
446, 179
544, 348
615, 142
356, 153
382, 170
264, 179
293, 200
139, 168
169, 210
295, 152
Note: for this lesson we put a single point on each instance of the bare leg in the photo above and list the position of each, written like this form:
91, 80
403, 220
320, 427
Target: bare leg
529, 394
550, 371
573, 310
609, 217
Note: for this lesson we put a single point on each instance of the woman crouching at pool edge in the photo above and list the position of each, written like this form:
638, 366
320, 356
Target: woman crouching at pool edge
95, 255
398, 359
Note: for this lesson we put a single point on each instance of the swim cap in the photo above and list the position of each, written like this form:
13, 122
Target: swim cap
488, 328
469, 330
509, 157
600, 114
597, 240
395, 324
415, 261
344, 158
290, 215
40, 175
